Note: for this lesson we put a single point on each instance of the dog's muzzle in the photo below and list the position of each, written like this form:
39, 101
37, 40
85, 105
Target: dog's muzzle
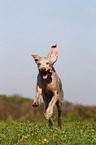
45, 73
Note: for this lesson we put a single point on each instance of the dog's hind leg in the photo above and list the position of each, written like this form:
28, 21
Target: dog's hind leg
50, 123
59, 108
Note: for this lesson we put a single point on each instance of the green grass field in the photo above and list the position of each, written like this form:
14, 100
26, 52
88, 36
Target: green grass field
38, 133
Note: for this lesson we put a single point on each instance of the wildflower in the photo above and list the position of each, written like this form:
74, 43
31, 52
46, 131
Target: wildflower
25, 136
28, 134
45, 140
32, 134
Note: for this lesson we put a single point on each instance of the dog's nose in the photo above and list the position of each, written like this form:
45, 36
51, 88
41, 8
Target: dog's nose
43, 69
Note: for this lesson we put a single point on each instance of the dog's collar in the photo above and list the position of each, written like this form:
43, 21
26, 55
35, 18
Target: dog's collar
51, 70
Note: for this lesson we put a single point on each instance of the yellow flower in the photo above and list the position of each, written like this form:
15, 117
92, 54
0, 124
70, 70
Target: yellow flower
25, 136
45, 140
28, 134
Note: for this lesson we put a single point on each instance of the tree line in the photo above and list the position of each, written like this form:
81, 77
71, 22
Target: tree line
20, 108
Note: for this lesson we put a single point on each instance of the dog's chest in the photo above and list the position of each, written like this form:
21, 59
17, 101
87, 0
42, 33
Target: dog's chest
47, 86
47, 93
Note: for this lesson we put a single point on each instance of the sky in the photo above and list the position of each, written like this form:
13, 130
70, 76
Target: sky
32, 27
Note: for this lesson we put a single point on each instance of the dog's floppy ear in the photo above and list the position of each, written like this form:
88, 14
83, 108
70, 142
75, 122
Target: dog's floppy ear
53, 54
36, 58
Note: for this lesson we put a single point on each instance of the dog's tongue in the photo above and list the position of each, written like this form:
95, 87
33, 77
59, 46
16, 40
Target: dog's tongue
45, 77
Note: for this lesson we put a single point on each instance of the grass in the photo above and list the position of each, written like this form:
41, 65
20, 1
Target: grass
38, 133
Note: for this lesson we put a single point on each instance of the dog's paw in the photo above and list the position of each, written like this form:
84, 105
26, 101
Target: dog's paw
49, 113
35, 104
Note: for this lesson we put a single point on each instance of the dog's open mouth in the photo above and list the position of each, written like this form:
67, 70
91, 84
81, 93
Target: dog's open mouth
44, 74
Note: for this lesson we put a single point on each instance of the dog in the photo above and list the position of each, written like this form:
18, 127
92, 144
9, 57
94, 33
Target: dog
49, 85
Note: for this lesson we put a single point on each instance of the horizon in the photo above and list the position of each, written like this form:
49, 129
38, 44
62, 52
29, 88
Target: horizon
64, 101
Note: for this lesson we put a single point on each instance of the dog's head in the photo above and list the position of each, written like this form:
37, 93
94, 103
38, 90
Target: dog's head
45, 63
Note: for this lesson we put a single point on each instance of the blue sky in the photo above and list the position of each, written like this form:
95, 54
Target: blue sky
31, 27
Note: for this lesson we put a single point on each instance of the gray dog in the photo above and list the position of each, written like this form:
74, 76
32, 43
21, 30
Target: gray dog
49, 85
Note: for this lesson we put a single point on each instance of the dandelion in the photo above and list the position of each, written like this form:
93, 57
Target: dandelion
28, 134
45, 140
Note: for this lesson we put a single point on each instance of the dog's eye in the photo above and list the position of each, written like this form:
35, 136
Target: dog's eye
36, 60
47, 62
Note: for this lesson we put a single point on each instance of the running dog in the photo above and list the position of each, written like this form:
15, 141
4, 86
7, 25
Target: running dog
49, 85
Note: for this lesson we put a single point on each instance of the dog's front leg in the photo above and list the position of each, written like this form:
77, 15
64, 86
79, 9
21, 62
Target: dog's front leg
49, 110
38, 97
